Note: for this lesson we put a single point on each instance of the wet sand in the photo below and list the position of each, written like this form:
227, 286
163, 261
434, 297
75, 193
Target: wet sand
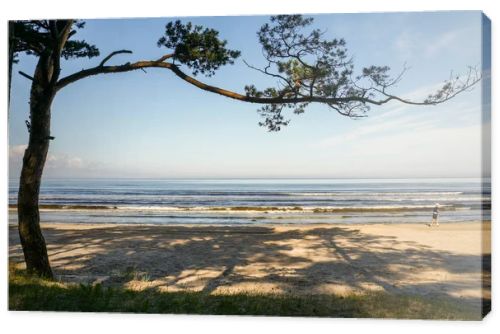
299, 259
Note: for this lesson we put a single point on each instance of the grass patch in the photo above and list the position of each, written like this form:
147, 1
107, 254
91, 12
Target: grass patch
34, 294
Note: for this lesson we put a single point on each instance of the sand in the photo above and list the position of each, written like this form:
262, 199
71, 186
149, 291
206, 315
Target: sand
299, 259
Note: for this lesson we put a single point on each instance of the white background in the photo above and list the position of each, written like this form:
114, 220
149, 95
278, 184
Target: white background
50, 322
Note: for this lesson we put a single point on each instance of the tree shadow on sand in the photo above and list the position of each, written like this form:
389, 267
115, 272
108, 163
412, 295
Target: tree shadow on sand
259, 259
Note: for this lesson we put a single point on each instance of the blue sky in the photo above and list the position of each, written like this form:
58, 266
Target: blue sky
155, 125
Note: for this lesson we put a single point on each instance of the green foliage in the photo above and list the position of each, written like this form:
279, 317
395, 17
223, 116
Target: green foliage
34, 37
309, 66
453, 86
198, 48
79, 49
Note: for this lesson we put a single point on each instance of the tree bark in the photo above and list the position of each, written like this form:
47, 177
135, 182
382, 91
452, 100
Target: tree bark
32, 240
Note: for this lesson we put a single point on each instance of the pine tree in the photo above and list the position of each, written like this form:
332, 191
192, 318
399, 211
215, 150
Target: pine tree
308, 69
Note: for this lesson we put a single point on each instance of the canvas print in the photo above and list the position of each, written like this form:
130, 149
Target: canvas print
327, 165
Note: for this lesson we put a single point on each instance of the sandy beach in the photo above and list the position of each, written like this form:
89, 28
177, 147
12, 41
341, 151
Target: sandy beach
299, 259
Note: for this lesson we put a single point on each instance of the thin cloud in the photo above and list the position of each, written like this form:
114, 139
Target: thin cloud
444, 152
17, 151
410, 44
442, 42
57, 164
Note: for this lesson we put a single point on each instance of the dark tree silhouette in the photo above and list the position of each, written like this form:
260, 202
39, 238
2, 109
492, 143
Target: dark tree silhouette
308, 69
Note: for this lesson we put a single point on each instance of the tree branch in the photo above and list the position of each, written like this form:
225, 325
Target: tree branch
265, 71
127, 67
303, 99
26, 76
165, 57
112, 54
240, 97
59, 41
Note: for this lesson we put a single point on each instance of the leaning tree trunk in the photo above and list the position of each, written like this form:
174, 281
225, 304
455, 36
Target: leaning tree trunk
32, 240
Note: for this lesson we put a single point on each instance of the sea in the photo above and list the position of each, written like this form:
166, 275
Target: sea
259, 201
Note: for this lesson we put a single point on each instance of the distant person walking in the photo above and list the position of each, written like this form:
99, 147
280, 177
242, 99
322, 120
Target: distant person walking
435, 216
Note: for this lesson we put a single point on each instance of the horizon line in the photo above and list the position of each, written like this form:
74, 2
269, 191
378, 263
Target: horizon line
261, 178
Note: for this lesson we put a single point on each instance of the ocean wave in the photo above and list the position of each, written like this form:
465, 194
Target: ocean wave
249, 209
376, 194
310, 209
69, 207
